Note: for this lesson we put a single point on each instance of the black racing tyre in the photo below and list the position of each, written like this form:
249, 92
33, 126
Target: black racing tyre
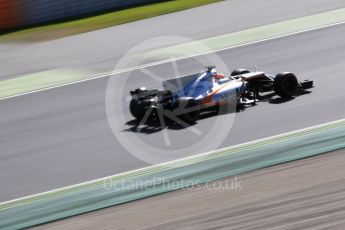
137, 108
192, 116
285, 85
239, 71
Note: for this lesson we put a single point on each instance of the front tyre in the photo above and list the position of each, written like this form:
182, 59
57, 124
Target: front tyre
285, 85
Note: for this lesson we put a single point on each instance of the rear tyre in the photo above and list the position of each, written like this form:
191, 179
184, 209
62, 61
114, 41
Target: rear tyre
285, 85
239, 72
137, 109
192, 116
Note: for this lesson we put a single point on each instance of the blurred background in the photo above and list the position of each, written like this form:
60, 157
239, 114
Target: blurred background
16, 14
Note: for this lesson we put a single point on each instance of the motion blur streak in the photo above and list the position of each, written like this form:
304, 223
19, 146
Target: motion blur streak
16, 13
306, 194
10, 14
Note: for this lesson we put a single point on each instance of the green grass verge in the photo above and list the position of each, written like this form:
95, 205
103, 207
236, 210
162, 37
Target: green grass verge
249, 35
41, 80
63, 29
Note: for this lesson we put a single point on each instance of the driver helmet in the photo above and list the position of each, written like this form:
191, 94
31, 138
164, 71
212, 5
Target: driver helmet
217, 75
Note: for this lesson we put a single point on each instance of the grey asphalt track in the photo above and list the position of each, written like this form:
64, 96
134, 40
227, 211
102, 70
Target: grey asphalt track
61, 136
305, 194
99, 50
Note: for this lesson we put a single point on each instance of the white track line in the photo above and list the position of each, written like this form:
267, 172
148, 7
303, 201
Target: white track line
167, 61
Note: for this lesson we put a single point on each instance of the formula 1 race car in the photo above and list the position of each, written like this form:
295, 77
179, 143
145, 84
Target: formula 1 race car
185, 97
